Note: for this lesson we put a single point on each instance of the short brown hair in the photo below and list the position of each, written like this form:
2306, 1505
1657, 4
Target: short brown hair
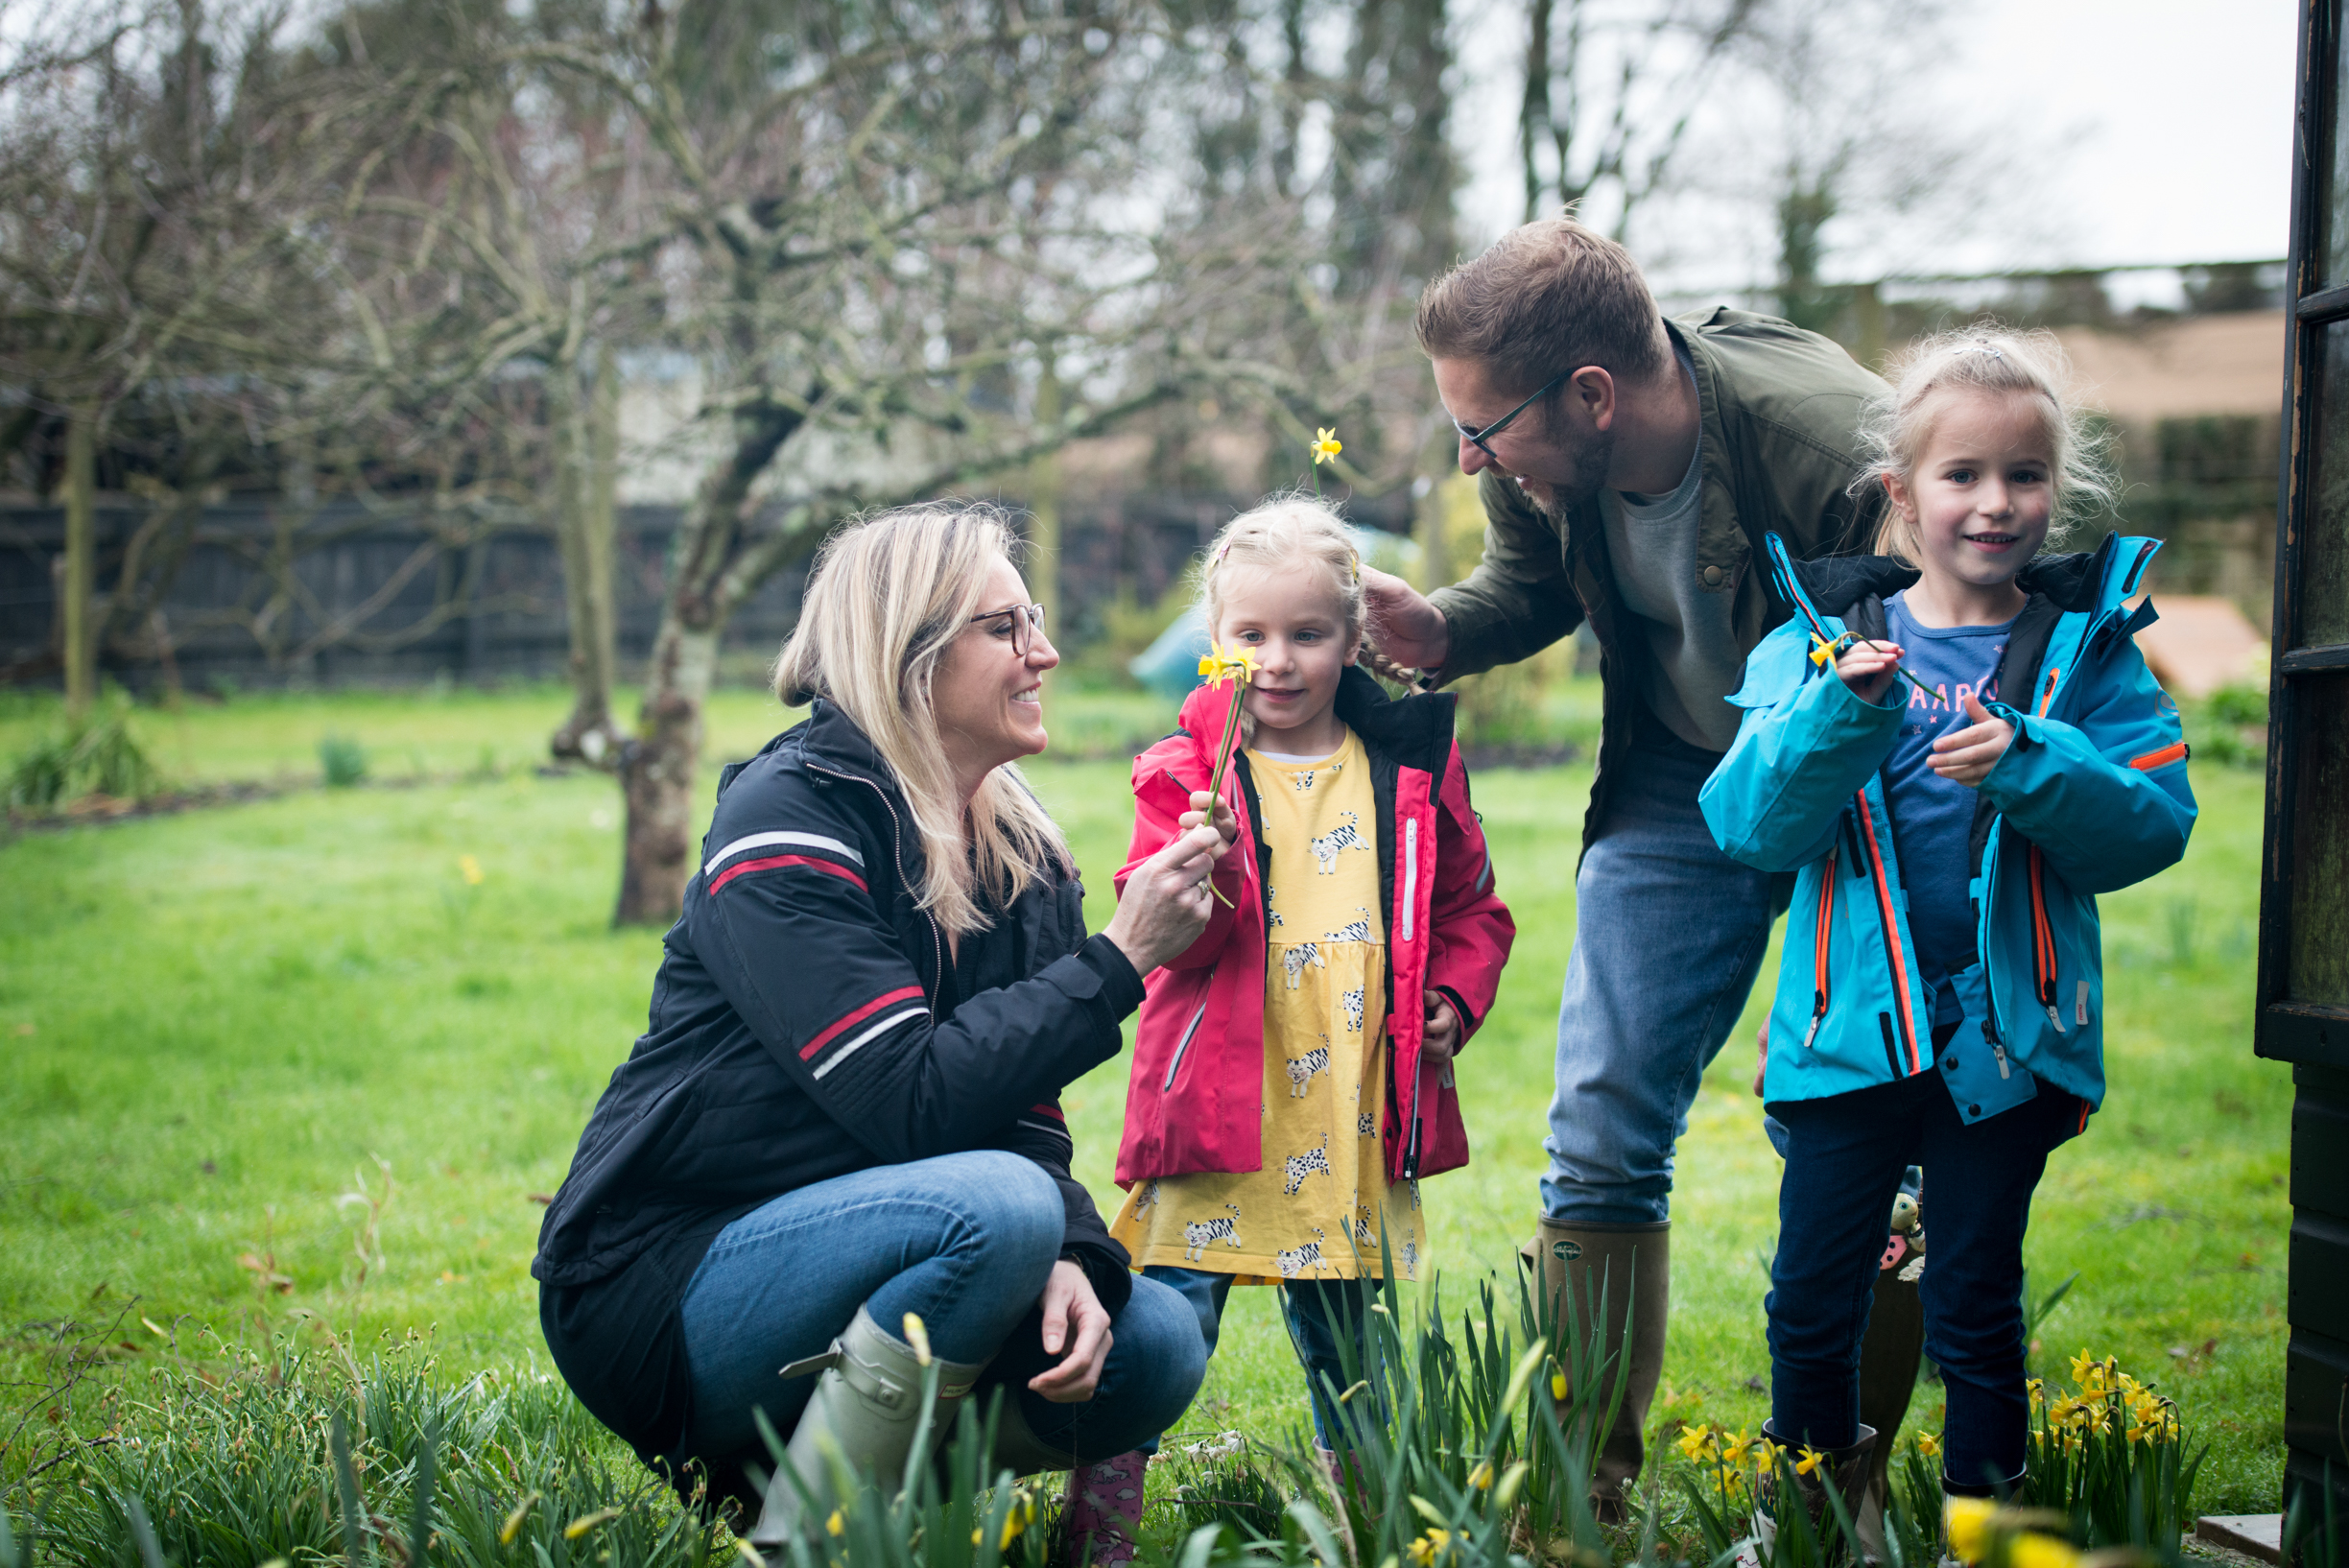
1548, 298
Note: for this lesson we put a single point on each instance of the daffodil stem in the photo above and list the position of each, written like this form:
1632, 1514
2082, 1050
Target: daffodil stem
1215, 780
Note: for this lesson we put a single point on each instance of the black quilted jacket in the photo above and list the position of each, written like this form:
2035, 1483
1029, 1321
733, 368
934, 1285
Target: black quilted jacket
805, 1023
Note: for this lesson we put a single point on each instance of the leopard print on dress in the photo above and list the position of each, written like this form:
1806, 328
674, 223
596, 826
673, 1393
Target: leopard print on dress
1297, 1166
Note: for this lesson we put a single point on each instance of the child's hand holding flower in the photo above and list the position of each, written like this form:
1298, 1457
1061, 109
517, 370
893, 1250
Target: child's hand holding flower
1225, 822
1867, 668
1967, 755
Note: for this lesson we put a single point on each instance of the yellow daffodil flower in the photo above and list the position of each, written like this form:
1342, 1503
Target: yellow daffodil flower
1557, 1386
1928, 1444
2032, 1549
1966, 1521
1692, 1443
918, 1337
836, 1525
1430, 1546
1480, 1477
1222, 664
1811, 1458
1325, 446
1737, 1448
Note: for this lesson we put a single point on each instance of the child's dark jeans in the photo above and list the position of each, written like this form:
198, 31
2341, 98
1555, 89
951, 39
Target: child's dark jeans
1317, 1311
1845, 1159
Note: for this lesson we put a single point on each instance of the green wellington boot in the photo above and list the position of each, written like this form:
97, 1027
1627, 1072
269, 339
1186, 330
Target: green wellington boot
1845, 1470
864, 1410
1631, 1266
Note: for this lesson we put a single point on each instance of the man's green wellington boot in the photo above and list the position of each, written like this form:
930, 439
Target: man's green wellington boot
866, 1405
1631, 1266
1844, 1469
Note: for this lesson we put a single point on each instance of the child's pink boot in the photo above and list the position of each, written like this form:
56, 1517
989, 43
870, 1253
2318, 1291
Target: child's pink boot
1103, 1506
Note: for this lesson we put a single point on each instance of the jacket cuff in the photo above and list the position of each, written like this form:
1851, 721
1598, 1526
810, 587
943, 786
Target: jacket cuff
1121, 986
1107, 1268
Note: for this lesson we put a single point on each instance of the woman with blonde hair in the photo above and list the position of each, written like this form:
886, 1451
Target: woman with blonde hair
837, 1152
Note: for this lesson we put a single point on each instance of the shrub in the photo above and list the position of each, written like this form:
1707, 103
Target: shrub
343, 760
97, 755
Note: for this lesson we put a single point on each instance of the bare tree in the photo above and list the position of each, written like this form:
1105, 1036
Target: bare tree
148, 168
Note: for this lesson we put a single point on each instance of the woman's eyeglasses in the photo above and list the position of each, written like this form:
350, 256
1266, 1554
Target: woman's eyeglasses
1027, 620
1477, 437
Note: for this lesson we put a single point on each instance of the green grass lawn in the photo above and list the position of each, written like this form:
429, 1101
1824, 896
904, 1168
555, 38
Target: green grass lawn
215, 1025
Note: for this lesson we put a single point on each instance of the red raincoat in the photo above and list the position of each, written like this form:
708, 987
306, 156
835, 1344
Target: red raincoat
1195, 1099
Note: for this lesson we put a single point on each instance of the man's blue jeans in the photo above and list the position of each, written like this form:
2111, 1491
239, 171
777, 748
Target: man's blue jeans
1844, 1159
966, 1241
1669, 935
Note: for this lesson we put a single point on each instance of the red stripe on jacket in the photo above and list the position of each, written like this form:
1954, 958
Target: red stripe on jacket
771, 863
905, 994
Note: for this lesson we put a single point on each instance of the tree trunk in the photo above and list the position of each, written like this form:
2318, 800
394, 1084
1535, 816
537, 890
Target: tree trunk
1533, 114
657, 774
586, 501
80, 565
1044, 506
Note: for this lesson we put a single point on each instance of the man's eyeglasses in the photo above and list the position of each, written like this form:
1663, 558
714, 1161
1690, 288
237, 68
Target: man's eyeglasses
1027, 620
1477, 437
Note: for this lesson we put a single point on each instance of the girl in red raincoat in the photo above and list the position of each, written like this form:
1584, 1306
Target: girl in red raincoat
1292, 1071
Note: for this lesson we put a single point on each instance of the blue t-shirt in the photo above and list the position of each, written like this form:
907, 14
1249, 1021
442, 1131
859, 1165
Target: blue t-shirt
1932, 818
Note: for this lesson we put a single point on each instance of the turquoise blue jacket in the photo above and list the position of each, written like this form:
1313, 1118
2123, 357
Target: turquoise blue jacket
2090, 796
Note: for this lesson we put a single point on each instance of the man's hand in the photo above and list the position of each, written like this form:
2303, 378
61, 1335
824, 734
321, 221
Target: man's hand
1967, 755
1226, 823
1075, 1317
1761, 1056
1442, 1039
1867, 668
1407, 629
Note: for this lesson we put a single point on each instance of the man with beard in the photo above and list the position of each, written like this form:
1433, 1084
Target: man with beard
1629, 467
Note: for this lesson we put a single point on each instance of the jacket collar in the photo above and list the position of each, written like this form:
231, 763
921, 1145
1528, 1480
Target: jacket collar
1415, 732
2076, 582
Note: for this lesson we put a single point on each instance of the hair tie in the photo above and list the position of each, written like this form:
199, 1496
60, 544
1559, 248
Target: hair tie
1981, 348
1216, 559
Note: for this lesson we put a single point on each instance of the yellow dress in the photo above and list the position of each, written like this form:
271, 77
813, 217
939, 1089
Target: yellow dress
1314, 1209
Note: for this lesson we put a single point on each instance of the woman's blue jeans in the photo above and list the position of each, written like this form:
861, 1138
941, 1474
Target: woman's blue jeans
1844, 1159
966, 1241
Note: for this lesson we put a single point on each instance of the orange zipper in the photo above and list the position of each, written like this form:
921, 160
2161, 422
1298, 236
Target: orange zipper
2043, 943
2046, 697
1819, 947
1891, 930
2174, 751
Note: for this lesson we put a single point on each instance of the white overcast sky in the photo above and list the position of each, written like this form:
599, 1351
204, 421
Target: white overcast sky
2164, 125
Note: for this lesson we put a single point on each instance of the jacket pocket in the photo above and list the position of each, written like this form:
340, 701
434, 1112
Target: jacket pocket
1182, 1042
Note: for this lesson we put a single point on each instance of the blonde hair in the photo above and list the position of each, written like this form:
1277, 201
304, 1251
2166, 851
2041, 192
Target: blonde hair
888, 595
1548, 297
1286, 529
1991, 358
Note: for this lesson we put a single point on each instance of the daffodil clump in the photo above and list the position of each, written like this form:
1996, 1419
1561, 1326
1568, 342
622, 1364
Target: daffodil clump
2107, 1401
1734, 1462
2110, 1454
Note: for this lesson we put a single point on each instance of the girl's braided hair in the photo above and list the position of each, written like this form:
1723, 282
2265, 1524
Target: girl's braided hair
1985, 356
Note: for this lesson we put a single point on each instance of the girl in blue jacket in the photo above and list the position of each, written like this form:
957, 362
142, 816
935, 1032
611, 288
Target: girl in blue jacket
1955, 745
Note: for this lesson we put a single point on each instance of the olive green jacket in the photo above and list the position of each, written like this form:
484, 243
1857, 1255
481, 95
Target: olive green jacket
1781, 407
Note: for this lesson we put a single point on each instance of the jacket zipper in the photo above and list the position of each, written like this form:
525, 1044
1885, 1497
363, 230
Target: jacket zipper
2043, 944
1891, 928
1819, 948
1182, 1047
1410, 873
938, 950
